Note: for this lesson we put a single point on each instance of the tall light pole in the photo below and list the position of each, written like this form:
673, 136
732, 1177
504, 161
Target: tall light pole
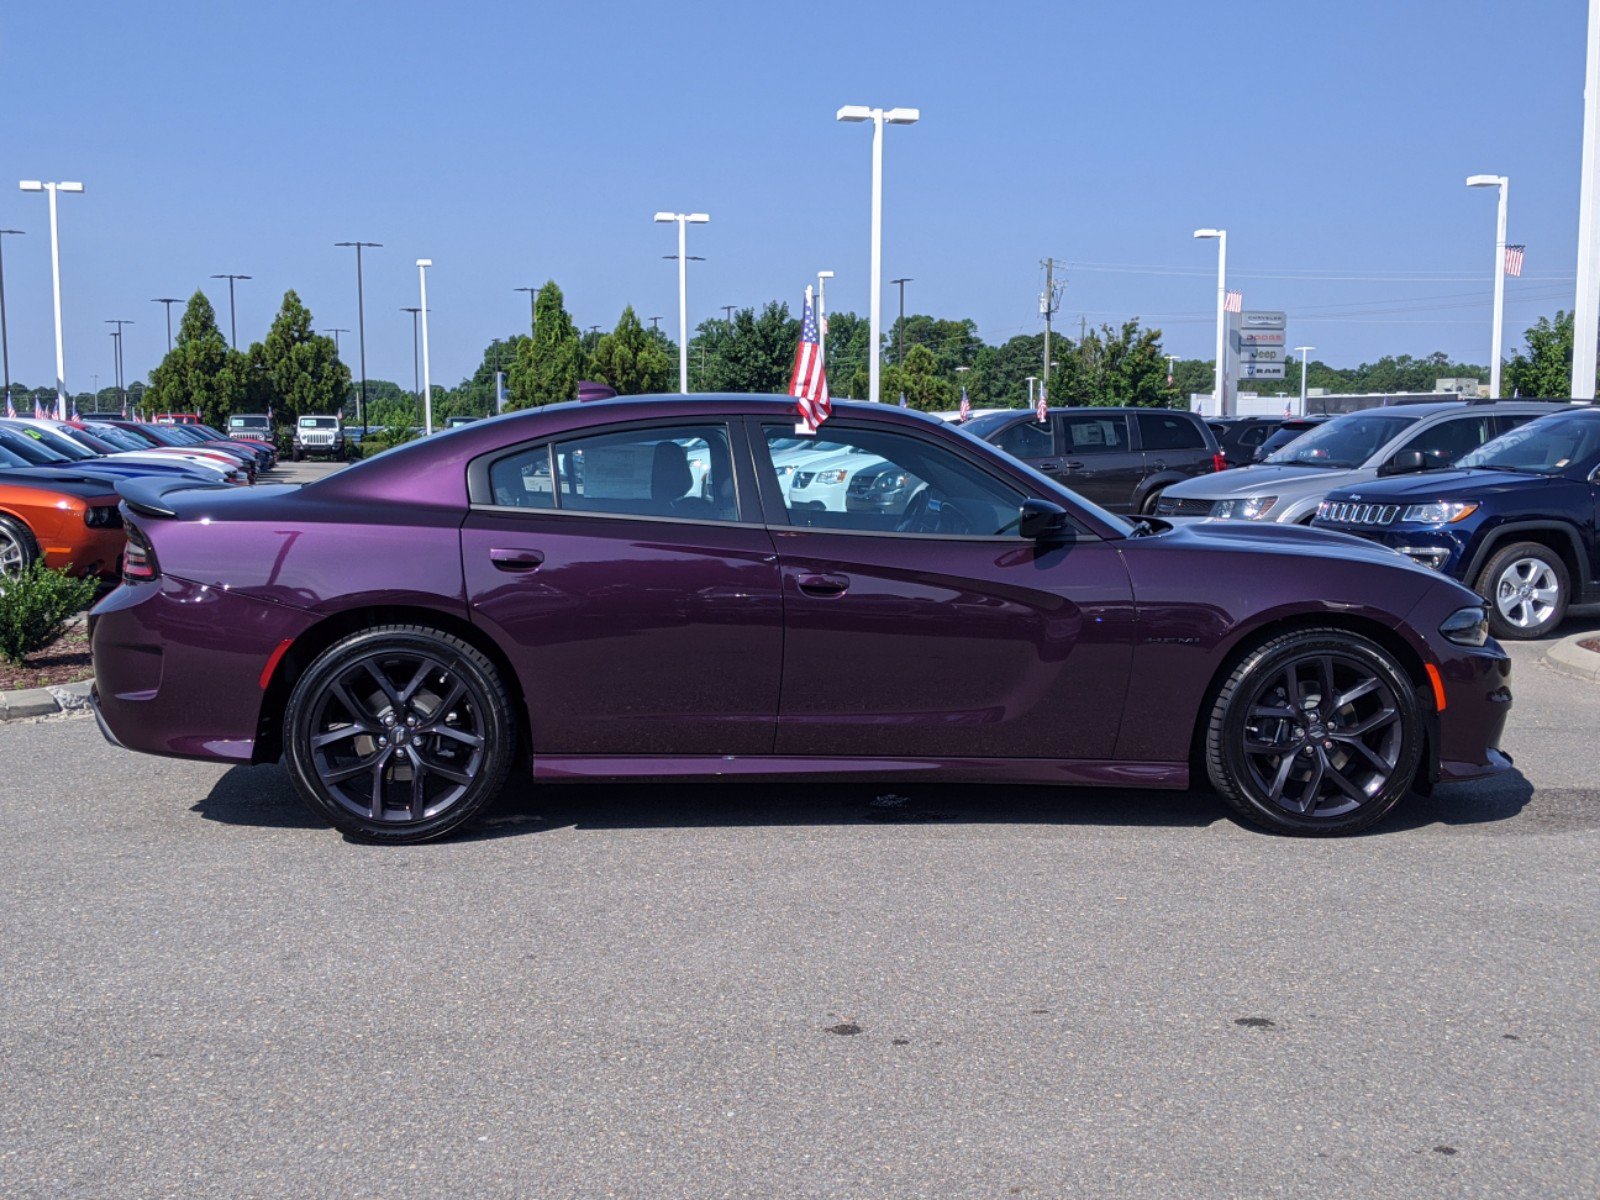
169, 301
684, 220
121, 391
1304, 352
336, 332
5, 345
822, 311
900, 326
1586, 310
533, 315
879, 118
35, 185
1504, 186
427, 384
416, 377
1032, 379
361, 325
116, 369
1218, 392
233, 321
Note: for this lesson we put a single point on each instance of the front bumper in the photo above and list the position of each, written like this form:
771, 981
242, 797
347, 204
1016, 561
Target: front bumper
1477, 688
1432, 546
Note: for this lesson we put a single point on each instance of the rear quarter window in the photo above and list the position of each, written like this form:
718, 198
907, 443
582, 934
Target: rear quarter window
1169, 431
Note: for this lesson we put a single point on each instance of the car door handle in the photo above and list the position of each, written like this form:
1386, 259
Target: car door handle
1048, 464
823, 585
1073, 465
516, 559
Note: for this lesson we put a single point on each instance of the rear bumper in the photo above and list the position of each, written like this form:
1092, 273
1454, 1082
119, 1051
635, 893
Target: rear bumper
177, 667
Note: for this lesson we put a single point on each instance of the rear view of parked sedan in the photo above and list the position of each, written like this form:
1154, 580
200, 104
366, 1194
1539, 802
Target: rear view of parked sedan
410, 632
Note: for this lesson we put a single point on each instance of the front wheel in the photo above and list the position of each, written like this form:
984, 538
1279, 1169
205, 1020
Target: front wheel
1316, 733
1148, 508
18, 549
399, 734
1527, 588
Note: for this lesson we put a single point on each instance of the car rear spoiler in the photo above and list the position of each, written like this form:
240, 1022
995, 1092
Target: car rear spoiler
149, 496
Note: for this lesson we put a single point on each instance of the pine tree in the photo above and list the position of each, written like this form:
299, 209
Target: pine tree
200, 373
630, 360
300, 369
550, 363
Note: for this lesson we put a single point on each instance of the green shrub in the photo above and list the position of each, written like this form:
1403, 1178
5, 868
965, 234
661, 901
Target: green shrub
35, 605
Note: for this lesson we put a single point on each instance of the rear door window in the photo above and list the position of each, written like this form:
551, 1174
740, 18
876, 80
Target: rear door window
1447, 441
1089, 434
1168, 431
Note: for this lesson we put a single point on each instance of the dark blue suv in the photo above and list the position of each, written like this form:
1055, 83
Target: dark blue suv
1514, 520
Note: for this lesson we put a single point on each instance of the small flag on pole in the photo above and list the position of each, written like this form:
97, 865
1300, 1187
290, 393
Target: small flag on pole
966, 406
61, 407
1514, 259
124, 410
11, 408
808, 383
1042, 409
1233, 302
38, 410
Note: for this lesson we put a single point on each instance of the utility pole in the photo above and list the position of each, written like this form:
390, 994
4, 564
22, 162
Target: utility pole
1049, 301
900, 329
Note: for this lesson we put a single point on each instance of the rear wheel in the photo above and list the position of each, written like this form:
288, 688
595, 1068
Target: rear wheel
399, 734
1316, 733
18, 550
1527, 588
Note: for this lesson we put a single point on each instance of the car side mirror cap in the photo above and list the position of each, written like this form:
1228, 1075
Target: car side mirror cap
1405, 462
1043, 521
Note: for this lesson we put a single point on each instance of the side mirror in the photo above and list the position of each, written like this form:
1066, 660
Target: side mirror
1404, 463
1042, 521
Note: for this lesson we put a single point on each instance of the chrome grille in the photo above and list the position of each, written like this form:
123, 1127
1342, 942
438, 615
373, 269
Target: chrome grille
1351, 513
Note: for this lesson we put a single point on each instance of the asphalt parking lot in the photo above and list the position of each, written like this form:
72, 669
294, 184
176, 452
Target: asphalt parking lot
792, 991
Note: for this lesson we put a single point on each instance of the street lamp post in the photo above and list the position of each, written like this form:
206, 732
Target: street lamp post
1303, 352
879, 118
233, 321
336, 332
35, 185
1032, 379
5, 345
822, 316
900, 326
361, 326
169, 301
121, 392
684, 220
416, 376
427, 384
1218, 391
533, 296
1504, 186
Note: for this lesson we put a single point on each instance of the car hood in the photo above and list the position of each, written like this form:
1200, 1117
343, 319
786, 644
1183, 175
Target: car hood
64, 479
1297, 541
1433, 485
1265, 479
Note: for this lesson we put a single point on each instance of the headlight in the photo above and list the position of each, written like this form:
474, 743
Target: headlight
1250, 508
1440, 512
837, 475
889, 483
102, 518
1467, 626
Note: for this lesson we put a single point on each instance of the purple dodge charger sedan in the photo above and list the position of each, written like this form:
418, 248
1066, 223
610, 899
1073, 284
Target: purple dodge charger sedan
625, 589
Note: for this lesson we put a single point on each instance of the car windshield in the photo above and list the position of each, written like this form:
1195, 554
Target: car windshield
26, 448
1545, 447
1346, 441
318, 423
247, 423
8, 459
63, 446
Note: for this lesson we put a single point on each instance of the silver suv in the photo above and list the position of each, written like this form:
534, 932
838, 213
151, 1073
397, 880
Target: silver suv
318, 436
1347, 451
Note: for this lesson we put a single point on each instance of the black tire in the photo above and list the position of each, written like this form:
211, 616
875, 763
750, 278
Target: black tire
418, 713
18, 548
1274, 745
1148, 508
1527, 588
296, 454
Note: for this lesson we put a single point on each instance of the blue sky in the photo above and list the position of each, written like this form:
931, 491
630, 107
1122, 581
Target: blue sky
517, 142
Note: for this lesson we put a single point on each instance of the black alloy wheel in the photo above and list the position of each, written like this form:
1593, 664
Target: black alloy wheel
399, 734
1317, 732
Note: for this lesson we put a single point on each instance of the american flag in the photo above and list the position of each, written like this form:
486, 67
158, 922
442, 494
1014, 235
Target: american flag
1233, 302
966, 406
809, 382
38, 410
124, 410
1042, 409
11, 408
1514, 259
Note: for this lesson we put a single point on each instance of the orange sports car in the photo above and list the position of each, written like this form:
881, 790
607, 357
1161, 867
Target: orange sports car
68, 519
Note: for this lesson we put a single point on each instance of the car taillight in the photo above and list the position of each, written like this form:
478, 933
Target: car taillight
1218, 462
138, 559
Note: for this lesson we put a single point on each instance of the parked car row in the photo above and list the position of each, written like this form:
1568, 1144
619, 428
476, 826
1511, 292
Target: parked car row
58, 500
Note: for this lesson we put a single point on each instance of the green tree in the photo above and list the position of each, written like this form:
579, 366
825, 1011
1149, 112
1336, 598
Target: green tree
1124, 366
200, 372
298, 370
754, 352
630, 360
475, 395
920, 380
1543, 367
549, 364
848, 346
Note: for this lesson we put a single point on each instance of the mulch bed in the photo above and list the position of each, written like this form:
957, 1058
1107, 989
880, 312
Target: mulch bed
65, 660
1591, 644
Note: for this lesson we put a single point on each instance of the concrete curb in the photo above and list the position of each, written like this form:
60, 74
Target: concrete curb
47, 701
1570, 658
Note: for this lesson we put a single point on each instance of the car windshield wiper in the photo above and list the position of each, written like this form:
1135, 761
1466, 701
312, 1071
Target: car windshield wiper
1308, 462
